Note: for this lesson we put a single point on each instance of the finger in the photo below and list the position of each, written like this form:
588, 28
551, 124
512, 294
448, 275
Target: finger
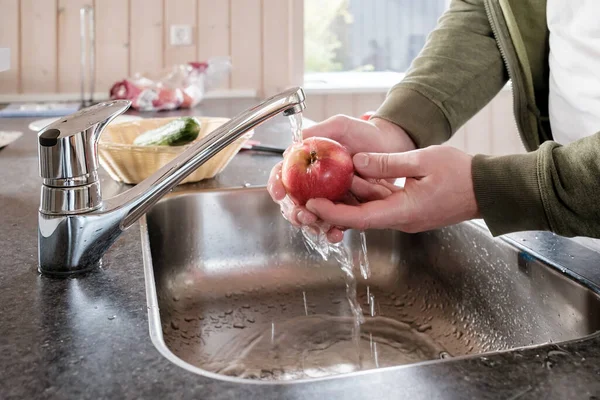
389, 165
274, 186
387, 184
335, 235
333, 128
305, 217
374, 214
289, 210
368, 191
343, 129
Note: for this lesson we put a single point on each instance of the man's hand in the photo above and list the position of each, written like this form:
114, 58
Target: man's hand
376, 135
438, 192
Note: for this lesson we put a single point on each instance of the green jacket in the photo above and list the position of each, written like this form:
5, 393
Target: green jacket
477, 46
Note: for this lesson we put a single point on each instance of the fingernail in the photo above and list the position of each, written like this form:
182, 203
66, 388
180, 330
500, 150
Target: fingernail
302, 216
309, 206
361, 160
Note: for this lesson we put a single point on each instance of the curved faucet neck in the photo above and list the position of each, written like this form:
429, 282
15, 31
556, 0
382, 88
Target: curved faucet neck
70, 240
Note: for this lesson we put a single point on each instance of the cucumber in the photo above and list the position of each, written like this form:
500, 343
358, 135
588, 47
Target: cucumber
176, 133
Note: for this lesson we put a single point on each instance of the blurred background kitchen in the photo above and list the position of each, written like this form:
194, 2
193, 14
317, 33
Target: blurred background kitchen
345, 53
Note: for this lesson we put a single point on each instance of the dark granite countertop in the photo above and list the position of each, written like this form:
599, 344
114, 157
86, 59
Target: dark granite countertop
88, 337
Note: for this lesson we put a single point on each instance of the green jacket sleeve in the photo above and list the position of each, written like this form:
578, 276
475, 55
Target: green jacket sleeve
457, 73
553, 188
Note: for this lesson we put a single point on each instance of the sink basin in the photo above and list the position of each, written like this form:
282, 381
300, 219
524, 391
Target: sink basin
233, 291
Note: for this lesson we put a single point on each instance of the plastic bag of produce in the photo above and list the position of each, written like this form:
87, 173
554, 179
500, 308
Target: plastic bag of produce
183, 86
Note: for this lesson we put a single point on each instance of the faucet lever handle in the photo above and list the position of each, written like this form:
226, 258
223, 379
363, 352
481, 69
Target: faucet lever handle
68, 147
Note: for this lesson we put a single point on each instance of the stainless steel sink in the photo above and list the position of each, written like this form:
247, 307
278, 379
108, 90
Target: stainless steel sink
233, 291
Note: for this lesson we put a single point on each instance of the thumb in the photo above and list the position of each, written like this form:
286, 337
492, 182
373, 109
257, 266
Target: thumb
389, 165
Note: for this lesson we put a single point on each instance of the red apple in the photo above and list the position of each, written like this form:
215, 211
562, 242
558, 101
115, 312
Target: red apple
367, 116
317, 168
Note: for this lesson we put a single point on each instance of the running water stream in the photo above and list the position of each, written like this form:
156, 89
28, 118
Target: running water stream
315, 239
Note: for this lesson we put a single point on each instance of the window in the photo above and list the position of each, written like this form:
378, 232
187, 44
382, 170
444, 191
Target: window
376, 36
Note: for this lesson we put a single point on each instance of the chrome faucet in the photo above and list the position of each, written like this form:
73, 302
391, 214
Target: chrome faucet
75, 225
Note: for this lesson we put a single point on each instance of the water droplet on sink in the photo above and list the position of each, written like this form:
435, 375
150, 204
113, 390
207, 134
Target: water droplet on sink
229, 311
174, 325
217, 325
251, 320
188, 319
112, 317
336, 301
247, 184
445, 355
239, 325
398, 303
246, 306
424, 327
175, 298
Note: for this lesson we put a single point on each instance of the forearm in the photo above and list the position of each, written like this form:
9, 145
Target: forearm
457, 73
555, 188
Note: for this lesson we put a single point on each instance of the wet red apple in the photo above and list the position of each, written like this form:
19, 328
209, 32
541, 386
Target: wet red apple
317, 168
367, 116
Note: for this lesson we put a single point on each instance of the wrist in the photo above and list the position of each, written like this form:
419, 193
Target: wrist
397, 136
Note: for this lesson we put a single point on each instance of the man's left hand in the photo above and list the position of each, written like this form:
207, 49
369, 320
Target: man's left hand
438, 192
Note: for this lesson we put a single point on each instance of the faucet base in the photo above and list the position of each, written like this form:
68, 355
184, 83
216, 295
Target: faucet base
52, 273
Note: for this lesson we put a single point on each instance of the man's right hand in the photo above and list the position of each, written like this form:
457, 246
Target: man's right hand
373, 136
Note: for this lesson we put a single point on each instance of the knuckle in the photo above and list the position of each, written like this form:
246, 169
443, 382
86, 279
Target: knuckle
383, 162
364, 223
339, 123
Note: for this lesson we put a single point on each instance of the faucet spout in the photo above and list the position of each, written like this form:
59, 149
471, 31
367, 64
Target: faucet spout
74, 240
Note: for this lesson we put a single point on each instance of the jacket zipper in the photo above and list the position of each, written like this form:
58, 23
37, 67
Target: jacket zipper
507, 57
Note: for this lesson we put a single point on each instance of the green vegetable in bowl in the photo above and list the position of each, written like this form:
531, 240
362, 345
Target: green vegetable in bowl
175, 133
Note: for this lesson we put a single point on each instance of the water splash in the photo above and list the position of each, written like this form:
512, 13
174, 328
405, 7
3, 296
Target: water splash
315, 239
365, 270
296, 122
318, 242
317, 346
305, 307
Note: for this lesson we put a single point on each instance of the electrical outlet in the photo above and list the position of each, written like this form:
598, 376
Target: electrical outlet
181, 35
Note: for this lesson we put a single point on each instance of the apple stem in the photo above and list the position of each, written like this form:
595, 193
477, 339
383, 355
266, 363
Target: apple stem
313, 156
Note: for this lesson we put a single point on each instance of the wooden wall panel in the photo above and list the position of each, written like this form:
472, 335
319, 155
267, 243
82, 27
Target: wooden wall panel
297, 28
277, 46
339, 104
146, 40
458, 140
180, 12
213, 31
364, 102
69, 44
9, 37
38, 46
479, 132
246, 46
112, 42
315, 107
505, 136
